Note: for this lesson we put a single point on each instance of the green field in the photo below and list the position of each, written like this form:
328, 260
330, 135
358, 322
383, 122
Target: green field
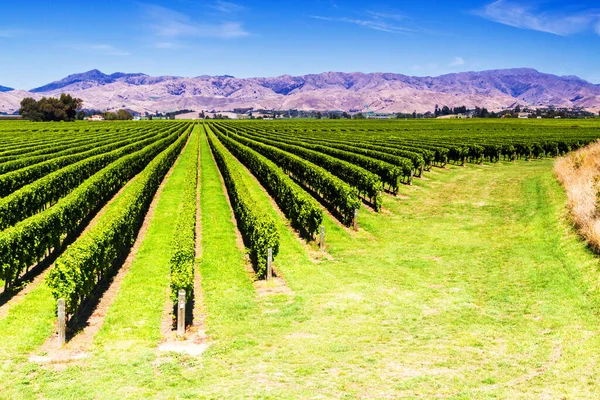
468, 283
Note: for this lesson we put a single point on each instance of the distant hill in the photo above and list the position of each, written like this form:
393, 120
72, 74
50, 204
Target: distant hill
383, 92
5, 89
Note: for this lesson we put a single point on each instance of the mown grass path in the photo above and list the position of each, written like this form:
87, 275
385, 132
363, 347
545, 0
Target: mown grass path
473, 287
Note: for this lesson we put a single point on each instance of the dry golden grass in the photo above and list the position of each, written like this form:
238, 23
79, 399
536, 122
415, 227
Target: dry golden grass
579, 173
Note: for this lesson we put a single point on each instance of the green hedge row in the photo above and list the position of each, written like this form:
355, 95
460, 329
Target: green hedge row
14, 180
25, 243
92, 257
29, 159
368, 184
299, 207
33, 198
340, 196
390, 173
183, 245
257, 227
31, 150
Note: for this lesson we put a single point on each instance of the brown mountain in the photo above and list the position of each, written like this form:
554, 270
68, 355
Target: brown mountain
384, 92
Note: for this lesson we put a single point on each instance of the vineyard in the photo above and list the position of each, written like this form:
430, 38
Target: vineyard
354, 219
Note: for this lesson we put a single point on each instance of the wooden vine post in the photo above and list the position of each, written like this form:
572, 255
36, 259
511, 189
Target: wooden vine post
62, 323
322, 238
270, 265
181, 313
355, 220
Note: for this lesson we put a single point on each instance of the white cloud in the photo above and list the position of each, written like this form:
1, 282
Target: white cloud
226, 7
376, 24
167, 23
457, 62
525, 17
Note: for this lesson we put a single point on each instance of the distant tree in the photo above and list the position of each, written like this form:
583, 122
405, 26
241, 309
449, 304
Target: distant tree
359, 116
414, 114
124, 115
30, 109
50, 108
110, 116
319, 115
80, 115
71, 105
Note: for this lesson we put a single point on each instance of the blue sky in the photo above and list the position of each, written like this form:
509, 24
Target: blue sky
42, 41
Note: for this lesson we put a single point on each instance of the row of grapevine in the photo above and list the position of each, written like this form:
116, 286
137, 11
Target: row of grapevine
300, 208
16, 179
25, 243
45, 191
389, 173
184, 242
66, 150
48, 146
340, 196
368, 184
420, 159
257, 227
91, 258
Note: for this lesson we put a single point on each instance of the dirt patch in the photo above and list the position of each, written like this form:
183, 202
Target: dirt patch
301, 335
189, 347
276, 286
553, 359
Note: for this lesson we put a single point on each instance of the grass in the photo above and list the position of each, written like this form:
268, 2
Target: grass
472, 287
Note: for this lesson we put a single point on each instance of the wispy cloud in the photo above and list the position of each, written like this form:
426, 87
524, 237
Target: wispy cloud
106, 49
96, 48
526, 17
226, 7
388, 15
376, 23
171, 24
457, 62
167, 45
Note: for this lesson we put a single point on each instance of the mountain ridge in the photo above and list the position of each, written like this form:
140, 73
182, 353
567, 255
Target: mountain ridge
347, 91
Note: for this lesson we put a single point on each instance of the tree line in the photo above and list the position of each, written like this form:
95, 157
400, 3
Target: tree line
63, 108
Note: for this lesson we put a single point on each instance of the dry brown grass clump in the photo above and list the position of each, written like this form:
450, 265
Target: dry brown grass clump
579, 173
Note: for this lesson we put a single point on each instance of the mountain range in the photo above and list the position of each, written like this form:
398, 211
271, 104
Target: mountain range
382, 92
